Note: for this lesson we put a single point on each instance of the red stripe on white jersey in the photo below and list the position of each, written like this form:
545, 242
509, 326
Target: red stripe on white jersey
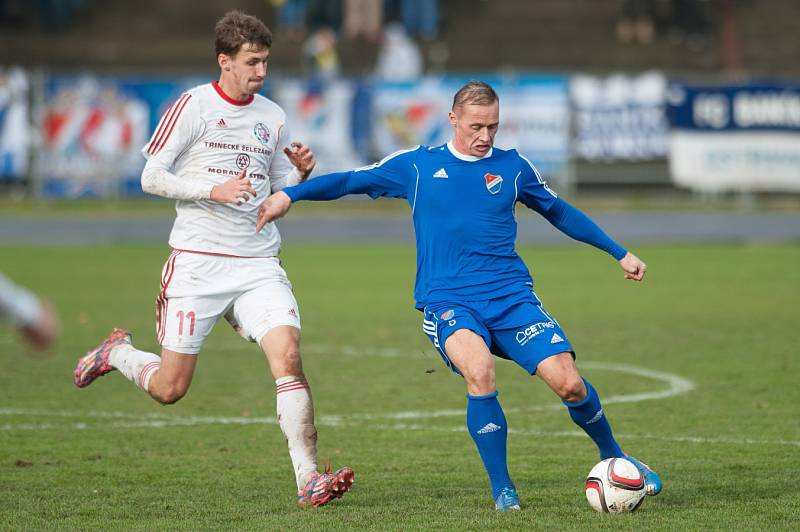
169, 125
161, 124
164, 124
172, 126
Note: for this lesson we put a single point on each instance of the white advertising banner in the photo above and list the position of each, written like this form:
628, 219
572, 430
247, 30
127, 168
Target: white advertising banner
407, 114
620, 117
15, 128
92, 130
735, 138
322, 119
738, 161
534, 117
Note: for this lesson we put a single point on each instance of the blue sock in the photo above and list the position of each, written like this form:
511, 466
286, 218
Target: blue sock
486, 423
588, 415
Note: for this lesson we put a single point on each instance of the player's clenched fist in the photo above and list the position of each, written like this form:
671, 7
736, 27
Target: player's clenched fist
276, 206
633, 266
235, 190
301, 157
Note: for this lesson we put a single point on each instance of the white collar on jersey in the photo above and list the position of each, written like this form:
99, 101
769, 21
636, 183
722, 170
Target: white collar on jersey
463, 157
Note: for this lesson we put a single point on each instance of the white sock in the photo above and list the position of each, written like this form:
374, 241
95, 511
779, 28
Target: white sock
137, 366
296, 419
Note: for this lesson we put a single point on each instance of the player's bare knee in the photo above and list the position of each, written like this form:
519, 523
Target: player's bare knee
170, 397
169, 394
572, 390
481, 379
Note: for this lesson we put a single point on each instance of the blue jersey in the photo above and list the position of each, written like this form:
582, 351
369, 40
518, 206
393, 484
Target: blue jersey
463, 210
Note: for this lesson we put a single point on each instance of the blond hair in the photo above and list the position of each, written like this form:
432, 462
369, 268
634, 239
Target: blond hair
475, 93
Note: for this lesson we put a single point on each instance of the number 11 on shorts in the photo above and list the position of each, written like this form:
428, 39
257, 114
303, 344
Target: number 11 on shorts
188, 316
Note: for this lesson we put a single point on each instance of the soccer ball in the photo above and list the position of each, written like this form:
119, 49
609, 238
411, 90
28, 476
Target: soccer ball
615, 485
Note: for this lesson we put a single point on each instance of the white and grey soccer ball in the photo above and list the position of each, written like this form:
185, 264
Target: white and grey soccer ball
615, 485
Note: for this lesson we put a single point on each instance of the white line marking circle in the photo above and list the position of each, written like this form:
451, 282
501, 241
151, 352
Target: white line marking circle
676, 385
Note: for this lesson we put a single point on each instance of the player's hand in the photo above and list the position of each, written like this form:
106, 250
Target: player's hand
237, 189
273, 208
301, 157
633, 266
44, 332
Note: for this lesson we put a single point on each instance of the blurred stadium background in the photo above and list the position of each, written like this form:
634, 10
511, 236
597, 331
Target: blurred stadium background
661, 98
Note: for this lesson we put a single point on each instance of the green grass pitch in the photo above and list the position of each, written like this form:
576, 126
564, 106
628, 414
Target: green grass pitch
713, 333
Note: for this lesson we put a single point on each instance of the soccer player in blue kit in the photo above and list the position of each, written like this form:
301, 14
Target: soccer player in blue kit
475, 291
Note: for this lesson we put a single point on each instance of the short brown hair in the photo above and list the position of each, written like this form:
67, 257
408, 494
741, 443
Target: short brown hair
476, 93
235, 29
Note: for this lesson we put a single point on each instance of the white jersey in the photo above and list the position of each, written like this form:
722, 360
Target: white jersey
206, 138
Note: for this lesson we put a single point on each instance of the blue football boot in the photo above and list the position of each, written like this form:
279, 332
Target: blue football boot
507, 500
652, 482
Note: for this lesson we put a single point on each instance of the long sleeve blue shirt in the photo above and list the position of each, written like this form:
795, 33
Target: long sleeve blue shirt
463, 210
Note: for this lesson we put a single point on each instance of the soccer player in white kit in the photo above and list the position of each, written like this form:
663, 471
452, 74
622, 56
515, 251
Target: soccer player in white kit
220, 151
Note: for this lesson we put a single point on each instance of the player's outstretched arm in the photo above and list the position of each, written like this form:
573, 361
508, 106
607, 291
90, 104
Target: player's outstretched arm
237, 189
575, 224
634, 267
275, 206
387, 178
323, 188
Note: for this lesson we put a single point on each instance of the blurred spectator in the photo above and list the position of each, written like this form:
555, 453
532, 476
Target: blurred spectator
361, 117
690, 23
363, 18
324, 14
291, 16
13, 13
15, 130
421, 18
636, 22
391, 10
35, 319
399, 58
319, 55
56, 15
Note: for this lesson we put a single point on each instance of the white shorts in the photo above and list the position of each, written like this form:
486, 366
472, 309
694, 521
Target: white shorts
197, 289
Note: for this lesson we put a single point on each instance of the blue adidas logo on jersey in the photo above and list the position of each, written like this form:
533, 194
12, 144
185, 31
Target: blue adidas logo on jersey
493, 183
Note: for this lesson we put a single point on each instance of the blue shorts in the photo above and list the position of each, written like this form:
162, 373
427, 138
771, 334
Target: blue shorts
514, 327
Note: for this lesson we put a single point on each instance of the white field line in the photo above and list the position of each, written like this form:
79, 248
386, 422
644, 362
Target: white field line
676, 385
581, 434
192, 421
